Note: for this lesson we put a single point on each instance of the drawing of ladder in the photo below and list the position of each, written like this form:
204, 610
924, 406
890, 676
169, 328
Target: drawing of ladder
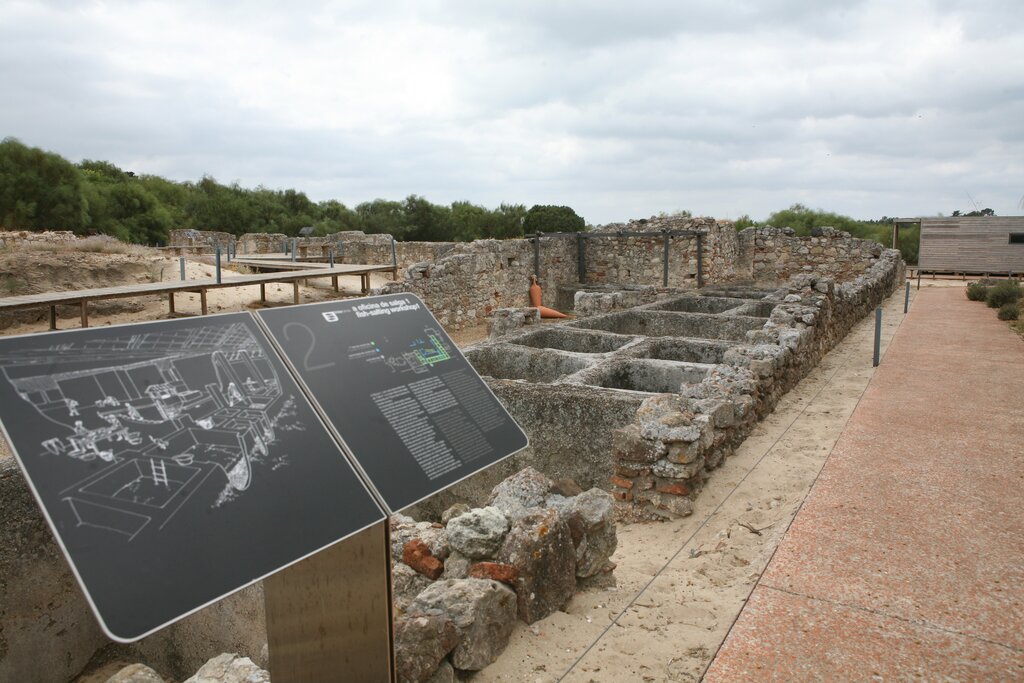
159, 472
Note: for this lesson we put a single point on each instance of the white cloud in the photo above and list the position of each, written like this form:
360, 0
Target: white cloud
618, 109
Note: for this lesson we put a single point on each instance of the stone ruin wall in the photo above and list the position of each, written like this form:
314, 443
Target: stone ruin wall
638, 260
464, 287
18, 238
777, 253
200, 239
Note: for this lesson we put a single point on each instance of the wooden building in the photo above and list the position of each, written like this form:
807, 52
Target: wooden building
971, 244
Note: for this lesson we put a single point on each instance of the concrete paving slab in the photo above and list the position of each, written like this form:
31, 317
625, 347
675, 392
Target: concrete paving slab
915, 528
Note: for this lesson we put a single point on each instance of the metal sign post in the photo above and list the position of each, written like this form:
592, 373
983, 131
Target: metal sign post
329, 616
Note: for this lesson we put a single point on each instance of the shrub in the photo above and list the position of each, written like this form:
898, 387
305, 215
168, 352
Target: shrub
1009, 311
1004, 293
977, 291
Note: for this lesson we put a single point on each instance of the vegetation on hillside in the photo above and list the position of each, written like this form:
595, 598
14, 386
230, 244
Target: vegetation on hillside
41, 190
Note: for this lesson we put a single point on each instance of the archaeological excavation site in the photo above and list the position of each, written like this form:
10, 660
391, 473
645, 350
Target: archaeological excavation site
680, 339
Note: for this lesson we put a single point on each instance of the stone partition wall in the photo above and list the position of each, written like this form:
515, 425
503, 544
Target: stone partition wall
777, 253
470, 281
639, 260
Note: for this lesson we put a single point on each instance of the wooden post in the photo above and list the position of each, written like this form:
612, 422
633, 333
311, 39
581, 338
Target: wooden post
202, 301
364, 281
334, 281
328, 617
53, 317
263, 292
170, 302
295, 290
84, 306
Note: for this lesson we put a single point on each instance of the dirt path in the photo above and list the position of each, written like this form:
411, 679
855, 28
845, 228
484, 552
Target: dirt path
680, 585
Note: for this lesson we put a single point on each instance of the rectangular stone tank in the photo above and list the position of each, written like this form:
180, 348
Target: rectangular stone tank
698, 304
505, 361
682, 350
577, 341
667, 324
648, 376
757, 309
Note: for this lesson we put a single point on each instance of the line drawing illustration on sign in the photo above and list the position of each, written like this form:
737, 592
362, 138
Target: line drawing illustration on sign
160, 412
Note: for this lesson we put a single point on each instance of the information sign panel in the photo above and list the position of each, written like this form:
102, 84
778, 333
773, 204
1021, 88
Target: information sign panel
175, 461
410, 408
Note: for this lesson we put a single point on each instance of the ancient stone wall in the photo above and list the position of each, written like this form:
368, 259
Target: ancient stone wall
200, 238
17, 238
627, 258
777, 253
465, 285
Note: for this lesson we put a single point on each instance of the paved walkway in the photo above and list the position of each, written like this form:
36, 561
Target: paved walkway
907, 558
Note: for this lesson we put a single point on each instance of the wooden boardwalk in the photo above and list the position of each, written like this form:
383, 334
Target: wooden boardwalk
281, 264
82, 297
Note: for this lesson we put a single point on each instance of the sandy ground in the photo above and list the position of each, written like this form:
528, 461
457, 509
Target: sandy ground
679, 585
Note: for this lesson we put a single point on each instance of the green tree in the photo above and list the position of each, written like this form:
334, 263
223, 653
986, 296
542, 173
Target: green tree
426, 222
382, 216
40, 190
547, 218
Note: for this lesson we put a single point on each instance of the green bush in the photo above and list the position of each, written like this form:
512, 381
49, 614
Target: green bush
977, 292
1004, 293
1009, 311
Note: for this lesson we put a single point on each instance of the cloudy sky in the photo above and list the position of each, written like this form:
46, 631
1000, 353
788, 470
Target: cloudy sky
618, 109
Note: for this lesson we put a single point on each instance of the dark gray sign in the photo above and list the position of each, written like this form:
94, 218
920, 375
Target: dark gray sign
176, 462
412, 411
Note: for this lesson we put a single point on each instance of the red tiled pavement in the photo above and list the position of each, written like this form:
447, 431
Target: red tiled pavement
907, 558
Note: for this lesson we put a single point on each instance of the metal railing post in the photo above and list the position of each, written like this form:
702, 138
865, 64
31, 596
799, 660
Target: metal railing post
330, 256
906, 300
536, 254
394, 253
878, 335
700, 260
218, 265
181, 266
664, 260
919, 278
581, 258
295, 247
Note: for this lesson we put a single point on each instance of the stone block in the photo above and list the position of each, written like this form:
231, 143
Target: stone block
483, 611
422, 641
478, 533
628, 445
540, 547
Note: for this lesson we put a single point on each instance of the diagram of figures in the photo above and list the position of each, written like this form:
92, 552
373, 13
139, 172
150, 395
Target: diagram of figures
176, 462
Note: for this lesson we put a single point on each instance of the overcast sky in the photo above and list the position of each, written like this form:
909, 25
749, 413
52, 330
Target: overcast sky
618, 109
